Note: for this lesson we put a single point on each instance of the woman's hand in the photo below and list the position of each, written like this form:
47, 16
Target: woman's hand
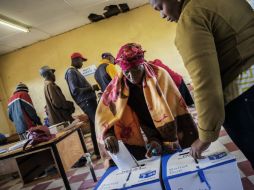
154, 148
111, 144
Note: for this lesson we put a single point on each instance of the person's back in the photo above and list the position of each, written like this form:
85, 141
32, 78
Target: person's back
102, 75
177, 78
79, 87
228, 25
59, 109
22, 112
106, 71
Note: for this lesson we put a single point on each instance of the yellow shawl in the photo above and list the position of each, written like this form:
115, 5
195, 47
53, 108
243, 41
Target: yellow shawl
166, 106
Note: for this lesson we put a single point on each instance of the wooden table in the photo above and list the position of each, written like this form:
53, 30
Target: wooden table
65, 149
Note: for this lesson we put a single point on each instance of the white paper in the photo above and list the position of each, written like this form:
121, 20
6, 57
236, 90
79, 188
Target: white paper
123, 159
2, 151
18, 145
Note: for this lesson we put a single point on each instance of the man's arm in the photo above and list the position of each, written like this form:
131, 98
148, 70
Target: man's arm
196, 45
57, 98
28, 107
10, 114
72, 81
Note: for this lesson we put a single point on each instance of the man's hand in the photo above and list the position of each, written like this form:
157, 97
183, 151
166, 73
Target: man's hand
198, 147
111, 144
96, 87
154, 148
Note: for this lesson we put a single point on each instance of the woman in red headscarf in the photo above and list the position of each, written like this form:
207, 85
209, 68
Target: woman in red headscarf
143, 97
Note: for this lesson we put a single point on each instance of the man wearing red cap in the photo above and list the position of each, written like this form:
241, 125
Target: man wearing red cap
83, 93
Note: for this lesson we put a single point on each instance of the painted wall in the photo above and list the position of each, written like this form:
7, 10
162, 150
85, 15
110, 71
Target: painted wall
5, 124
142, 25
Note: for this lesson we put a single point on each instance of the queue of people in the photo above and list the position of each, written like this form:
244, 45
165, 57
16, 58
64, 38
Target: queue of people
144, 104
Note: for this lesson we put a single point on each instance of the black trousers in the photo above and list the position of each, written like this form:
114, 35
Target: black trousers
239, 123
183, 89
89, 107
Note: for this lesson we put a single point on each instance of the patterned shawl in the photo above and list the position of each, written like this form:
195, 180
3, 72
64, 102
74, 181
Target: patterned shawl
166, 106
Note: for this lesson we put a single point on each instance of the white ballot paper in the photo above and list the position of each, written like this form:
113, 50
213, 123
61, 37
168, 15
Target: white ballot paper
123, 159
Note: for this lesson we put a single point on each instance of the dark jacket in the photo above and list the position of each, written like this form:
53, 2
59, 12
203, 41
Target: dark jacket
105, 73
102, 77
58, 108
79, 87
21, 111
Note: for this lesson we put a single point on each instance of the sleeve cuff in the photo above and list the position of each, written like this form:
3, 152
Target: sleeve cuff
208, 136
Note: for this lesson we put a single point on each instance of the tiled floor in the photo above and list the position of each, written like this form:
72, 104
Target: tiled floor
81, 178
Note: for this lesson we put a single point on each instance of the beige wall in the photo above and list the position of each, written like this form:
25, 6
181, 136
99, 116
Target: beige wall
5, 124
142, 25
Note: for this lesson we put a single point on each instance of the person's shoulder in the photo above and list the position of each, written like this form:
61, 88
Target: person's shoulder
50, 84
71, 71
198, 8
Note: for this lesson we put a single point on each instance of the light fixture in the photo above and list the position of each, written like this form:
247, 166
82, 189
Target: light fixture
16, 26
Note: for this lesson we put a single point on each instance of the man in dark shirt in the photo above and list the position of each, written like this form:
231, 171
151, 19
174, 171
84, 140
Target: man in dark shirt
83, 93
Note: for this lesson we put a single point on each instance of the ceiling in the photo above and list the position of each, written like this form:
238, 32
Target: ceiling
47, 18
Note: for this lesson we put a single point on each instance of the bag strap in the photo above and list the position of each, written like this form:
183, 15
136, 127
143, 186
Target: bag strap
25, 145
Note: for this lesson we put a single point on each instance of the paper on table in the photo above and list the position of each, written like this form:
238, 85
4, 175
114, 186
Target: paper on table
123, 159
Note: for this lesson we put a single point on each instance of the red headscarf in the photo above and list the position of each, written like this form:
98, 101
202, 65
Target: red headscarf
130, 55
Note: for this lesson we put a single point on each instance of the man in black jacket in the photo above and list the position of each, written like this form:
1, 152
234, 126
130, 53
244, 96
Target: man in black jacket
83, 93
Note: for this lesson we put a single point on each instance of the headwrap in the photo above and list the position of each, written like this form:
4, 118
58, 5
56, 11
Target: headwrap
130, 55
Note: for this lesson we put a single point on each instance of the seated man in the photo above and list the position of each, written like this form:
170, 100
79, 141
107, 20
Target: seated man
143, 97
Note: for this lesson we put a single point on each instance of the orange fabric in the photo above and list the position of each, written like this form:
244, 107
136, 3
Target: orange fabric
128, 129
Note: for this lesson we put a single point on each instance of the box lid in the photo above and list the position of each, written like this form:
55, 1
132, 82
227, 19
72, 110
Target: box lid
181, 163
112, 179
148, 172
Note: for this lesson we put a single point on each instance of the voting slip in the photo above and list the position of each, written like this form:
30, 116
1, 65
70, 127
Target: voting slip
123, 159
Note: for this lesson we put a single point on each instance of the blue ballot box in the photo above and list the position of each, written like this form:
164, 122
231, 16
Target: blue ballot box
218, 171
144, 177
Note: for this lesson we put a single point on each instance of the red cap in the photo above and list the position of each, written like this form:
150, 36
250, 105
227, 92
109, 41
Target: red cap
76, 55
